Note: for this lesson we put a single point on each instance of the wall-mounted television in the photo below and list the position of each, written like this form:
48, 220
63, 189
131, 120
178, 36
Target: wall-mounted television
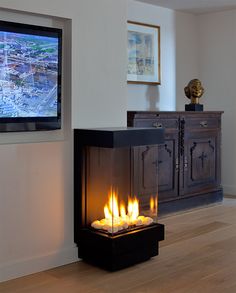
30, 77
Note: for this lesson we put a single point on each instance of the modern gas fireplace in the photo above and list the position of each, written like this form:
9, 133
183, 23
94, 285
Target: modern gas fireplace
115, 223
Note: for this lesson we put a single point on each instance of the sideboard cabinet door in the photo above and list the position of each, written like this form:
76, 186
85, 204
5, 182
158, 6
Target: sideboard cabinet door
168, 163
168, 160
200, 163
145, 168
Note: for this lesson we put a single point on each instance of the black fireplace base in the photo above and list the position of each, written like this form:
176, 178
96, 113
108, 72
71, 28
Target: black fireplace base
120, 251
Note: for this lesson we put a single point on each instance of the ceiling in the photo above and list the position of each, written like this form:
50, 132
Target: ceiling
194, 6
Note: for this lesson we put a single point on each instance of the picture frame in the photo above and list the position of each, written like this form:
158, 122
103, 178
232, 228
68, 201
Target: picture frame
143, 53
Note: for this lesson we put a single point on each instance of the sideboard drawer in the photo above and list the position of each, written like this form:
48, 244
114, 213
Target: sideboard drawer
157, 123
202, 123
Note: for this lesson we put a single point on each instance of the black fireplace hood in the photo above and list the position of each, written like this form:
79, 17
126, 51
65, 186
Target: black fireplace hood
119, 137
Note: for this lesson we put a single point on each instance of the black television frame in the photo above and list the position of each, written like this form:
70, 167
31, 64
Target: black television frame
15, 124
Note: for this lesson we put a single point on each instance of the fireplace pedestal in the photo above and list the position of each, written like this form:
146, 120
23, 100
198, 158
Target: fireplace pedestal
115, 225
120, 251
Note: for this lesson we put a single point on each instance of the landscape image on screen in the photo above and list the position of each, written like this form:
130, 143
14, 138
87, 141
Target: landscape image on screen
28, 75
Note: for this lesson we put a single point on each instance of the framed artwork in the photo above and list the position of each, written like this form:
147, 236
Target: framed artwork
143, 53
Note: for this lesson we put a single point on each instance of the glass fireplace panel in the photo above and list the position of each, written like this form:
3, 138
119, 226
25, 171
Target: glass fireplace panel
113, 205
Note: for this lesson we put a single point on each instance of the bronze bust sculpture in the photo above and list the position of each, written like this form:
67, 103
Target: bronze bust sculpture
194, 90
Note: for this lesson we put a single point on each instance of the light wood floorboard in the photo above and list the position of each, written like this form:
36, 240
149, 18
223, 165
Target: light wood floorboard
198, 256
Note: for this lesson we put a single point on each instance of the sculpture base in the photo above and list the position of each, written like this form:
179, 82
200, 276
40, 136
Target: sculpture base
194, 107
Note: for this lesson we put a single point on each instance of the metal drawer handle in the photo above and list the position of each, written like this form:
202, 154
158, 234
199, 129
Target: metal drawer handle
157, 125
203, 124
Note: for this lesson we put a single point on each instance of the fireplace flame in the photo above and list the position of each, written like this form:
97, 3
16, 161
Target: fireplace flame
122, 211
118, 218
133, 209
107, 213
153, 205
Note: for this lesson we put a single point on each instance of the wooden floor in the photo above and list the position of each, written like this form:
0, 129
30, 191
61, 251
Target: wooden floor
198, 255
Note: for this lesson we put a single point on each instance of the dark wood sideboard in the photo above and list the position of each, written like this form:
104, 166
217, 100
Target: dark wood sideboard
188, 163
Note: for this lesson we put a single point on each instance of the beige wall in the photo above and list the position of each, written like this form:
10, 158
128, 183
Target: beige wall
162, 97
179, 58
187, 54
217, 50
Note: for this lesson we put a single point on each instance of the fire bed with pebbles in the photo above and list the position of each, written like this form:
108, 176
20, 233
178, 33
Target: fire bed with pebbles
116, 219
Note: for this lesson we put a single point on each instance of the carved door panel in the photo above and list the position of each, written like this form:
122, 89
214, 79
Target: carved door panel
200, 163
168, 163
145, 168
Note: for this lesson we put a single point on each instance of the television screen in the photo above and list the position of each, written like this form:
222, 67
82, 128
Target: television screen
30, 77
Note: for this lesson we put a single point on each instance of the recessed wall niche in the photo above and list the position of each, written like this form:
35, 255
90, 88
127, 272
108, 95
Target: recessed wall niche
65, 25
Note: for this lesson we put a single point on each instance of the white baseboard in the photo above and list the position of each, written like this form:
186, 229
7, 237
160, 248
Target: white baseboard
19, 268
229, 189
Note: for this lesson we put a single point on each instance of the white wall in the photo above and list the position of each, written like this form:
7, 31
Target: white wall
100, 61
162, 97
217, 51
187, 54
179, 58
36, 186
